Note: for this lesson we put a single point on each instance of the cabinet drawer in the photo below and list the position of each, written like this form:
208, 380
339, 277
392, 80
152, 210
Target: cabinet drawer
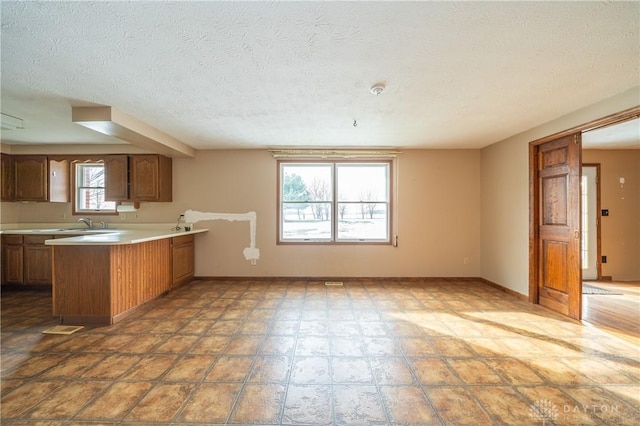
183, 239
37, 239
12, 239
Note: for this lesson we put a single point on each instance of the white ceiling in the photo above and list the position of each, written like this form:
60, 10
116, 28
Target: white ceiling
297, 74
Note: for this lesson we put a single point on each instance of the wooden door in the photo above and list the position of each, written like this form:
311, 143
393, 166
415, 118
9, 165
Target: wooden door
31, 178
12, 264
8, 178
559, 270
145, 185
116, 178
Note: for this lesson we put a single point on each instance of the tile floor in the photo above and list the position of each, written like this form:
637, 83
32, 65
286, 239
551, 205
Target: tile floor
297, 352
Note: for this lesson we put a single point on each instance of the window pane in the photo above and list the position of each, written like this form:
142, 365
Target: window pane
363, 221
306, 182
301, 221
90, 175
352, 208
90, 188
93, 199
363, 182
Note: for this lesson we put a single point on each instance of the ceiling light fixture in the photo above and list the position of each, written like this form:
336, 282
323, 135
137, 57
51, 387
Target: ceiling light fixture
9, 122
377, 88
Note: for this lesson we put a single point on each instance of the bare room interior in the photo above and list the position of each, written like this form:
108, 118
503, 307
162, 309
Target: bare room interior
320, 213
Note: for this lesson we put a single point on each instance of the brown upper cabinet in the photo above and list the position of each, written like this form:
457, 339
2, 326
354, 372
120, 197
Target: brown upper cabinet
35, 178
8, 178
138, 178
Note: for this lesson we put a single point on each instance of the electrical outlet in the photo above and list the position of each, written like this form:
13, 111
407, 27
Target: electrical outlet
465, 261
604, 259
123, 216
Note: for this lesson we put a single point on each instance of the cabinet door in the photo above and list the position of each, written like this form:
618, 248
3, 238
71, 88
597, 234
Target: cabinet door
12, 264
150, 178
37, 264
8, 178
59, 181
31, 178
183, 259
145, 182
116, 173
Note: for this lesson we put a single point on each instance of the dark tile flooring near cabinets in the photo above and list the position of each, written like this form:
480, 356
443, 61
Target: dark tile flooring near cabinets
298, 352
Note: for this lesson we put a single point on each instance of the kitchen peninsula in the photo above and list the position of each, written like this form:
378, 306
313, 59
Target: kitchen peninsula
102, 278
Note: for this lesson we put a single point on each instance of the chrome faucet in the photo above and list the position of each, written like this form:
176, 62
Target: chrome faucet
86, 221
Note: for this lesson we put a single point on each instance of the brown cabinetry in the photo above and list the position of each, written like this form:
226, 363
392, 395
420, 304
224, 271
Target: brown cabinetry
138, 178
183, 259
37, 260
116, 177
8, 178
35, 178
12, 259
26, 259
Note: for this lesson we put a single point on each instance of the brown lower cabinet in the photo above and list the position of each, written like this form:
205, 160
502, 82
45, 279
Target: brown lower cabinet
104, 284
183, 259
26, 259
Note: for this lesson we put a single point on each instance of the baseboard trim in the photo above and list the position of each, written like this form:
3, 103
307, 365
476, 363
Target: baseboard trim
334, 278
505, 289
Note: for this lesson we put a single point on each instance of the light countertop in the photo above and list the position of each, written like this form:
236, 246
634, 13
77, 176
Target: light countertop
103, 236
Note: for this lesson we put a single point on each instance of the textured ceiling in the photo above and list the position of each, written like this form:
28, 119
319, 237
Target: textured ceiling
283, 74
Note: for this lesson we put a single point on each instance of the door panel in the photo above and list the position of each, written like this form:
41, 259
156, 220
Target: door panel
559, 274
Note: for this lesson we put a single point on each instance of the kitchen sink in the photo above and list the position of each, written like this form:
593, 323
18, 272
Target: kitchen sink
87, 230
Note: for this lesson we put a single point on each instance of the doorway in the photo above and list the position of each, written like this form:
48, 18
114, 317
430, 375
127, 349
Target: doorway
590, 221
555, 266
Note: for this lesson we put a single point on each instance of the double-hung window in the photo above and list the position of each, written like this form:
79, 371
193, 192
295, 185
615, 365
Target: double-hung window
89, 189
334, 201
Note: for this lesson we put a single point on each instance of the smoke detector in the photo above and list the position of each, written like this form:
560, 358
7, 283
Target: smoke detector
377, 88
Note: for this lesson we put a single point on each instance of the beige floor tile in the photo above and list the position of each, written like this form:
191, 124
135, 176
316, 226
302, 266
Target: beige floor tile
67, 400
259, 404
278, 345
358, 405
73, 366
391, 371
434, 372
313, 346
161, 404
150, 367
191, 368
311, 370
457, 406
515, 371
407, 405
308, 404
270, 369
474, 372
116, 402
26, 396
504, 404
558, 406
243, 345
230, 369
111, 367
603, 404
211, 403
351, 370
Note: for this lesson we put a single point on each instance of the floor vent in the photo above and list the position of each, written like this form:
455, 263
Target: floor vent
334, 283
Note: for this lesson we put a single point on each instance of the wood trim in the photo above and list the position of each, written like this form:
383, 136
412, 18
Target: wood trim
608, 120
533, 223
